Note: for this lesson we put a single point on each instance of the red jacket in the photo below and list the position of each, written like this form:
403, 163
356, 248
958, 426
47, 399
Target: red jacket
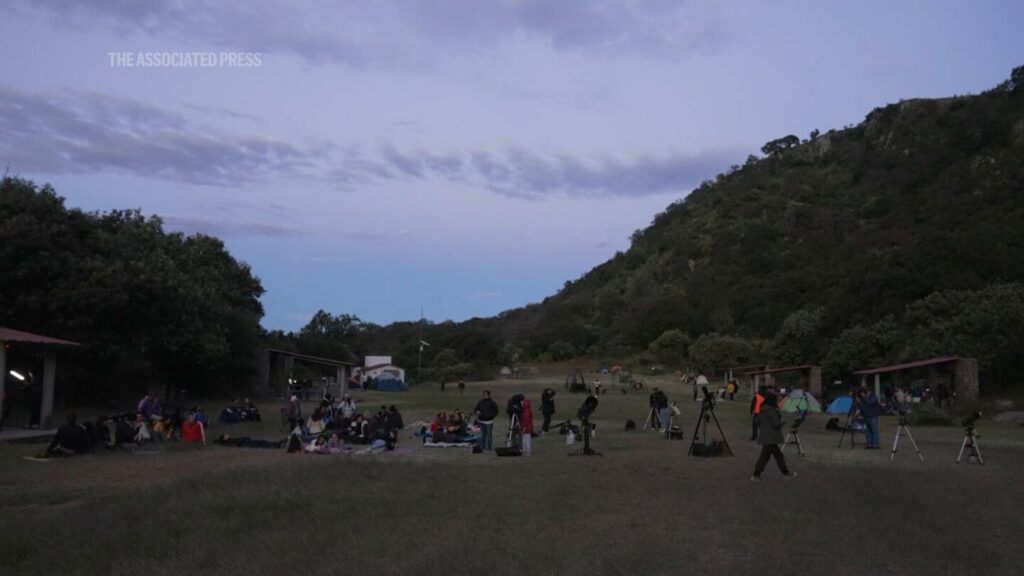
192, 432
527, 422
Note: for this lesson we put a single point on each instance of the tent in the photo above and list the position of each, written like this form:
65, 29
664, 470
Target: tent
389, 384
840, 405
799, 400
506, 371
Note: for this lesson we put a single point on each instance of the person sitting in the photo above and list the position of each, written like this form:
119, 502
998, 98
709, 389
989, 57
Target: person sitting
193, 430
358, 430
200, 414
71, 439
141, 430
250, 412
315, 424
317, 445
335, 445
348, 410
395, 421
150, 406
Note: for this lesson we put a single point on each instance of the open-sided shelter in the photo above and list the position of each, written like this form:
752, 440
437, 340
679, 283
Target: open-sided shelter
810, 376
959, 374
11, 337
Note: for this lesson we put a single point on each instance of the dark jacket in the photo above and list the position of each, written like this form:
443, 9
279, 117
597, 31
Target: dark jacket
70, 437
486, 409
547, 403
869, 407
770, 431
659, 400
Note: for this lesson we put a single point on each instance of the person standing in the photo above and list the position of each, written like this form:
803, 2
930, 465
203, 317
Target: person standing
547, 408
486, 411
770, 436
870, 409
756, 404
527, 426
701, 381
659, 401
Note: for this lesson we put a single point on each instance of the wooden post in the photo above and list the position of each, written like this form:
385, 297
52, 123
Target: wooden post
49, 375
3, 374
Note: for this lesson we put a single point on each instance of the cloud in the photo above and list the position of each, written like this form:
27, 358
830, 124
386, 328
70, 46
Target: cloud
521, 173
222, 228
369, 33
86, 132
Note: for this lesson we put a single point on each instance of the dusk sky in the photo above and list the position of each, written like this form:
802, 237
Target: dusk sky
463, 157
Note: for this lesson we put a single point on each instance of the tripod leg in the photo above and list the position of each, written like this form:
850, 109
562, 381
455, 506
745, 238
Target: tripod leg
786, 442
696, 429
962, 448
976, 448
799, 446
720, 432
895, 442
911, 436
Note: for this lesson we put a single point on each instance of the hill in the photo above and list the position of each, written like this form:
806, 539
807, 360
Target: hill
900, 236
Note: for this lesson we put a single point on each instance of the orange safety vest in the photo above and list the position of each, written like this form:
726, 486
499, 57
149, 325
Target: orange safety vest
758, 401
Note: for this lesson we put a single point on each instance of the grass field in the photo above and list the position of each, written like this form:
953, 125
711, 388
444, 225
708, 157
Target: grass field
642, 508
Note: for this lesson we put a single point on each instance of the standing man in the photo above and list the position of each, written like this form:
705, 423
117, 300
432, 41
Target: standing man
659, 401
547, 407
755, 409
770, 437
870, 409
486, 411
701, 380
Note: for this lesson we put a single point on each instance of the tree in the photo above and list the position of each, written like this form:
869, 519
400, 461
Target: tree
864, 346
715, 352
561, 350
775, 146
1015, 82
670, 347
798, 340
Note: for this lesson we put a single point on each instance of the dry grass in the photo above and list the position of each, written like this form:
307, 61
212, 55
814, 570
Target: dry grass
642, 508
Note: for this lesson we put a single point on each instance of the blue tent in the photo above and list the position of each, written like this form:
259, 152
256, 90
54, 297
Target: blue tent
840, 405
386, 384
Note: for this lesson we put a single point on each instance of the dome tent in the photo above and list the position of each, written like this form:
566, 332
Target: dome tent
799, 400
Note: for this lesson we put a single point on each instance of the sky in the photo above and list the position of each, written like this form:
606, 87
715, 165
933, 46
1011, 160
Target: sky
456, 157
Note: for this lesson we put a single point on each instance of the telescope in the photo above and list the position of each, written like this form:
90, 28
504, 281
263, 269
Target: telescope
588, 407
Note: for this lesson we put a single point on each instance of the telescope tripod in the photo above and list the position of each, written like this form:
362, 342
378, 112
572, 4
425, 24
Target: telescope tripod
586, 450
795, 435
707, 413
653, 421
515, 433
971, 441
900, 430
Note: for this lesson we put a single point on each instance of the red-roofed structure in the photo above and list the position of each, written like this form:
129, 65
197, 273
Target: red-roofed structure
962, 379
9, 336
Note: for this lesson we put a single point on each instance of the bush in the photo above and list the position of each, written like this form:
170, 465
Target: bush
929, 415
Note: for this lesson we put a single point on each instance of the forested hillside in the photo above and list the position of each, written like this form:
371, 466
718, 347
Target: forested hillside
897, 237
900, 237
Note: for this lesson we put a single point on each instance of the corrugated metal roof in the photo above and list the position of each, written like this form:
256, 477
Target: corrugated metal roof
908, 365
800, 368
307, 357
11, 335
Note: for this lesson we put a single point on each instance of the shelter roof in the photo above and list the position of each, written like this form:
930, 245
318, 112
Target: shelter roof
908, 365
799, 368
11, 335
308, 358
